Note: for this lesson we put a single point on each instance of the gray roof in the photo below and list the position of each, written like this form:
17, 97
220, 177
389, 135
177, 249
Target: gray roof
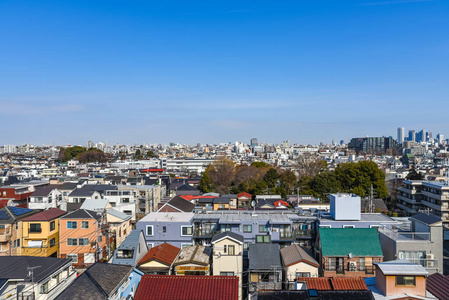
264, 256
94, 204
294, 254
89, 189
181, 204
68, 186
401, 267
220, 200
104, 280
130, 242
82, 214
118, 214
427, 218
232, 235
16, 267
44, 191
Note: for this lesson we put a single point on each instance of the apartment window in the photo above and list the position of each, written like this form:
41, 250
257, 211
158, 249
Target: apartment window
52, 225
348, 226
17, 243
150, 245
302, 274
125, 200
226, 273
35, 227
405, 281
164, 229
248, 228
246, 246
231, 250
263, 228
325, 226
72, 225
125, 253
263, 239
84, 241
52, 242
74, 258
85, 224
149, 230
44, 288
72, 242
362, 264
186, 230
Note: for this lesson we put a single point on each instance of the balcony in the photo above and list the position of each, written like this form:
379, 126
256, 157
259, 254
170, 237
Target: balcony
407, 209
431, 205
408, 200
204, 233
5, 234
429, 264
298, 233
435, 196
401, 236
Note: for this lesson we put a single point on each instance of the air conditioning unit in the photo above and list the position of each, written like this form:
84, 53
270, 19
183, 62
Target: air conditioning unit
352, 266
430, 256
430, 264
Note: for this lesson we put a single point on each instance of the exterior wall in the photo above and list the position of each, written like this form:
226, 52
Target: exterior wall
228, 263
303, 268
171, 236
130, 285
369, 272
14, 193
45, 236
7, 240
217, 206
345, 207
91, 233
53, 199
419, 289
121, 231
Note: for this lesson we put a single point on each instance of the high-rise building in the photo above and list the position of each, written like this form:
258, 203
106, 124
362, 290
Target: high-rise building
254, 142
421, 136
401, 132
90, 144
412, 136
372, 144
440, 138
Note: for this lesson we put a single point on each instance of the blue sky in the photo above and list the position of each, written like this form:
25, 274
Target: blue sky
220, 71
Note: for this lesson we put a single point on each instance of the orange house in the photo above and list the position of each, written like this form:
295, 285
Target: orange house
83, 237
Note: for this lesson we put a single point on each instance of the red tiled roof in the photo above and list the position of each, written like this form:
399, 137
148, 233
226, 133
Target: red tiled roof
46, 215
165, 253
348, 284
276, 204
191, 197
171, 287
438, 285
315, 283
244, 194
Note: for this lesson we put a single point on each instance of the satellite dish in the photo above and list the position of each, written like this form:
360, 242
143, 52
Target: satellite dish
253, 203
350, 255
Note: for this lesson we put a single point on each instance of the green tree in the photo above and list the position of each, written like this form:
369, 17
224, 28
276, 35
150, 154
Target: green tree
150, 153
323, 184
288, 180
205, 184
138, 154
271, 178
259, 164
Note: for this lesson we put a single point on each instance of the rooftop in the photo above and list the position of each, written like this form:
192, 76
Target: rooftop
168, 217
196, 254
401, 267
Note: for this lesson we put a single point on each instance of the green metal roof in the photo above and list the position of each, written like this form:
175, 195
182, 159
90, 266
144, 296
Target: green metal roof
342, 241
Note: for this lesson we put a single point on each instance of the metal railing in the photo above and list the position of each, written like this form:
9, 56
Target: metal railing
297, 233
404, 236
204, 233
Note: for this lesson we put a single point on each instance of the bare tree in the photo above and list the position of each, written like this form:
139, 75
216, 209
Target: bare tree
308, 164
222, 174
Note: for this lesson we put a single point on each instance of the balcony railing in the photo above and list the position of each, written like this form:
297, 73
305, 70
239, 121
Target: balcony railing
204, 233
426, 263
404, 236
297, 233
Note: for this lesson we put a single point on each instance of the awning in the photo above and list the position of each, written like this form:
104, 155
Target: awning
35, 244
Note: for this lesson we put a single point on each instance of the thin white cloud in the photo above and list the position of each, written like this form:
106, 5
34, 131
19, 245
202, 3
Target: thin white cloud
23, 109
394, 2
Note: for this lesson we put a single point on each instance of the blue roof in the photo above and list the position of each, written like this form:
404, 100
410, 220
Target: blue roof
19, 210
4, 215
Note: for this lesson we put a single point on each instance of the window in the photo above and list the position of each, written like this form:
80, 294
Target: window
44, 288
263, 228
231, 250
125, 200
149, 230
164, 229
248, 228
128, 212
405, 281
17, 243
302, 274
246, 246
325, 226
362, 264
263, 239
150, 245
85, 224
74, 258
52, 225
84, 241
72, 225
125, 253
332, 263
52, 242
35, 227
186, 230
348, 226
72, 242
226, 273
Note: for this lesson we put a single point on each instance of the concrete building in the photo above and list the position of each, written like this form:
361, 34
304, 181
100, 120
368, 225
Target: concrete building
401, 136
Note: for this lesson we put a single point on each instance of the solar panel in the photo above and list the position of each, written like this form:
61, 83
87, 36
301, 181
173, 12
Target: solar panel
4, 215
19, 210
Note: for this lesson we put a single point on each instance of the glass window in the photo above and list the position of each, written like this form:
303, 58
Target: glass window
44, 288
52, 242
186, 230
263, 239
231, 250
72, 242
85, 224
52, 225
405, 280
248, 228
362, 264
150, 230
84, 241
164, 229
226, 273
74, 258
302, 274
72, 225
263, 228
35, 227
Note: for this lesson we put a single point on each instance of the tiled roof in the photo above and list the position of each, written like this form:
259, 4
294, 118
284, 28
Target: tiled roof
263, 256
315, 283
244, 194
164, 253
294, 254
83, 214
45, 190
229, 234
427, 218
196, 254
438, 285
342, 241
348, 284
46, 215
169, 287
181, 204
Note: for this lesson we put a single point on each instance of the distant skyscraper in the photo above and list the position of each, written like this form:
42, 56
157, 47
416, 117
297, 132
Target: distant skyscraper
254, 142
412, 136
440, 138
421, 136
90, 144
401, 132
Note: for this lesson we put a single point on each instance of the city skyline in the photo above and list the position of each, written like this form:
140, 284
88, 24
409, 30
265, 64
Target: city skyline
155, 72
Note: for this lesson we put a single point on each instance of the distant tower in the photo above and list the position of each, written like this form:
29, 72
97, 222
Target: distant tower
254, 142
90, 144
412, 136
401, 132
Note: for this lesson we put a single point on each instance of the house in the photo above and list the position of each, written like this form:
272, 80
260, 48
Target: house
166, 287
88, 191
244, 200
40, 233
47, 197
97, 205
221, 203
147, 196
177, 204
123, 201
83, 237
159, 260
120, 225
131, 250
281, 204
265, 269
167, 227
401, 279
187, 189
422, 244
348, 252
227, 258
17, 195
193, 260
206, 203
31, 277
233, 200
11, 229
104, 281
297, 263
